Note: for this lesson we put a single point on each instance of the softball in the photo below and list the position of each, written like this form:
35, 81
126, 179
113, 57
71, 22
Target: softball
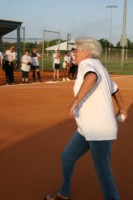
121, 117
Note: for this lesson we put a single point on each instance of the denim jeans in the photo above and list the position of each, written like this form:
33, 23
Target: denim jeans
9, 72
101, 155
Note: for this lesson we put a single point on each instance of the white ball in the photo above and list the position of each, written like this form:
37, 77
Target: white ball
121, 117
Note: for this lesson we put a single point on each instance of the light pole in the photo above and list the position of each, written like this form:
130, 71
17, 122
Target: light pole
110, 36
123, 36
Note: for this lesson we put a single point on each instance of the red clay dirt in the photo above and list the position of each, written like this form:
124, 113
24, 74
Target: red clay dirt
34, 130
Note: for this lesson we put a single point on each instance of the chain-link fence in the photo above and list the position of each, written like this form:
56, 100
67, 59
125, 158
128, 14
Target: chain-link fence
113, 61
111, 57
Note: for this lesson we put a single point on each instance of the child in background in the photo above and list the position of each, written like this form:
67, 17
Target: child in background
1, 59
56, 65
74, 67
66, 66
35, 57
26, 65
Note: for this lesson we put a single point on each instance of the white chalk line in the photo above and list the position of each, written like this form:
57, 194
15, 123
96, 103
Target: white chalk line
25, 86
122, 76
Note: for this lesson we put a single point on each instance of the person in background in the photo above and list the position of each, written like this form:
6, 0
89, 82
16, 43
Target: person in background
93, 111
66, 66
74, 67
10, 57
1, 60
35, 57
26, 65
56, 65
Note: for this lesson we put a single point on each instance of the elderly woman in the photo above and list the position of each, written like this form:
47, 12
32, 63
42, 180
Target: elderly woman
94, 114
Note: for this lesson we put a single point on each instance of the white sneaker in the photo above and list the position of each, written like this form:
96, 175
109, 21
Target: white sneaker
63, 79
67, 79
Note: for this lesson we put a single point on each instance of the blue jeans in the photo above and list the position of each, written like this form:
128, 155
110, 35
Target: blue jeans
101, 155
9, 72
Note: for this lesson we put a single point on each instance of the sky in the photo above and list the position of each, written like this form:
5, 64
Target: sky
77, 17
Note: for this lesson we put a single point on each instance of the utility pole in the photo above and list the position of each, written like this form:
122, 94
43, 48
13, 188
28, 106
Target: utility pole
123, 36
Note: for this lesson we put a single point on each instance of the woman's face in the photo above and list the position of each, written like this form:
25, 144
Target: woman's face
35, 51
81, 54
27, 53
11, 49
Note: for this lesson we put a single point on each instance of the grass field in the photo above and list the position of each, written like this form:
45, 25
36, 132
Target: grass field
113, 65
115, 68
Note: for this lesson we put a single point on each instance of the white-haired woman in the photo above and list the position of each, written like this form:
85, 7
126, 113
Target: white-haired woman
94, 114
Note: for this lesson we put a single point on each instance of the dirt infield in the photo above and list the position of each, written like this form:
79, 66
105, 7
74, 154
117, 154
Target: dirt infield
35, 128
18, 76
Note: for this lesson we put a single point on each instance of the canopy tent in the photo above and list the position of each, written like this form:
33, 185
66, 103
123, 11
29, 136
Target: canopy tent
63, 46
7, 26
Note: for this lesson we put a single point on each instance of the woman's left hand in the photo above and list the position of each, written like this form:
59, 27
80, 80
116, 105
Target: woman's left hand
71, 110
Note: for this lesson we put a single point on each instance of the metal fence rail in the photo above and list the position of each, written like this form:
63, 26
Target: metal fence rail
111, 57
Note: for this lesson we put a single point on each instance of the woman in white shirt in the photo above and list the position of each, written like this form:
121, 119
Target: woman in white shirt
56, 65
66, 66
93, 111
10, 57
26, 65
35, 57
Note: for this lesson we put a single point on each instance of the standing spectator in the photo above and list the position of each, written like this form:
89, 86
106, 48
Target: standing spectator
93, 110
56, 64
10, 57
66, 66
26, 65
1, 59
74, 67
35, 57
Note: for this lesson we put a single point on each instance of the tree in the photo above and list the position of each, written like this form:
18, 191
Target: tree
129, 44
104, 42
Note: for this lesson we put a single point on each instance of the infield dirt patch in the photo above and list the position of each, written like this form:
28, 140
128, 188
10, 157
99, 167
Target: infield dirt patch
34, 130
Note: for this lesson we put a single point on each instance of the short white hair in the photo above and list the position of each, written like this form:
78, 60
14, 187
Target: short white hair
91, 44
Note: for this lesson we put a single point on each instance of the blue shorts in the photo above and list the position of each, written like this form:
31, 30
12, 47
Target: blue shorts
56, 66
34, 67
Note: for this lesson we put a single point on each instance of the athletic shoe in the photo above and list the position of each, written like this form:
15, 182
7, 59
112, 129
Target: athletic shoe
67, 79
63, 79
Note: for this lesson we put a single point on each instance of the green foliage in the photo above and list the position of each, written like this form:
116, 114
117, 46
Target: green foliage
30, 45
129, 44
105, 43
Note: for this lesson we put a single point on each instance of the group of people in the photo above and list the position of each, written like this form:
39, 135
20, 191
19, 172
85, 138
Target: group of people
69, 65
29, 62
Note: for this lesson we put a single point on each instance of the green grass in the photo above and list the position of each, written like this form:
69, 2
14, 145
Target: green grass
115, 68
48, 64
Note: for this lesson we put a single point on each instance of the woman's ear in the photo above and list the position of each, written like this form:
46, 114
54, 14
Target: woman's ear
87, 53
